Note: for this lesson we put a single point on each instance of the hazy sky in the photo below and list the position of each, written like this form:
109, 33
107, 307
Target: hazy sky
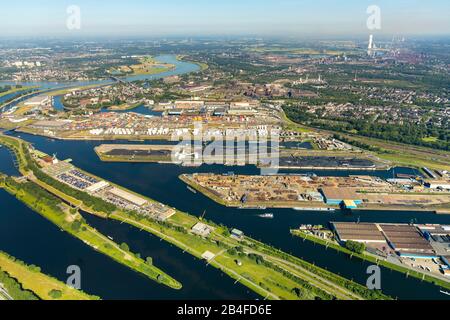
223, 17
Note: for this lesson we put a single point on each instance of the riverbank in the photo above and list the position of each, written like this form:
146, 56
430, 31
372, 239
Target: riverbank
372, 259
16, 90
203, 66
43, 286
40, 197
69, 220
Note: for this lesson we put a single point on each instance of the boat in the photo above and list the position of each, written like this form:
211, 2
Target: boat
110, 238
266, 215
314, 209
191, 189
252, 208
445, 292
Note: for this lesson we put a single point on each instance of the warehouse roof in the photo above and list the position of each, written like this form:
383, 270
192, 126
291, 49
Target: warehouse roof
367, 232
128, 196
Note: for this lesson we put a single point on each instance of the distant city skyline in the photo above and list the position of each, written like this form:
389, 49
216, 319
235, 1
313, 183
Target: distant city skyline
230, 17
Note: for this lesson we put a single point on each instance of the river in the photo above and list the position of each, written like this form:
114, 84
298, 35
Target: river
181, 67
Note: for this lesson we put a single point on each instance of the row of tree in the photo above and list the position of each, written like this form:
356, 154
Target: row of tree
408, 133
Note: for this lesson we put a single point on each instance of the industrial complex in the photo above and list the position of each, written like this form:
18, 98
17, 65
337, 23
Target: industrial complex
66, 173
303, 190
424, 248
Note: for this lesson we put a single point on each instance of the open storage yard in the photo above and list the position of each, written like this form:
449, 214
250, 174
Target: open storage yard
292, 191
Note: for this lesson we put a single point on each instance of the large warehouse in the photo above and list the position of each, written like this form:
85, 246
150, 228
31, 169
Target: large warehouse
38, 101
127, 196
359, 232
407, 241
341, 196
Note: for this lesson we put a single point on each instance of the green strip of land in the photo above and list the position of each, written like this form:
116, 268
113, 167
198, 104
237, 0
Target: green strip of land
71, 221
14, 90
34, 283
37, 198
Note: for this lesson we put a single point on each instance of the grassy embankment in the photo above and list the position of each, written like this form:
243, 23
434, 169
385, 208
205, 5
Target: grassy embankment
270, 273
34, 194
203, 66
15, 90
264, 269
373, 259
290, 125
26, 282
71, 221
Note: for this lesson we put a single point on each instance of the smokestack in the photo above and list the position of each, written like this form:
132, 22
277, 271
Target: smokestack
371, 45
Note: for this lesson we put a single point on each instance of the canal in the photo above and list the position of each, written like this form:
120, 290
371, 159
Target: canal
29, 237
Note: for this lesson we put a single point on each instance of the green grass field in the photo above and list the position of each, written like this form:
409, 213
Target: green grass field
16, 90
32, 279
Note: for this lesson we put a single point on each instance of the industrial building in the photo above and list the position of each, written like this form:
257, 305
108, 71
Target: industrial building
189, 104
97, 186
407, 241
359, 232
38, 101
237, 234
127, 196
438, 184
346, 197
202, 229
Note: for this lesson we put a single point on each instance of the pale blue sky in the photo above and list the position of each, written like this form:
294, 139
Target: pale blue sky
226, 17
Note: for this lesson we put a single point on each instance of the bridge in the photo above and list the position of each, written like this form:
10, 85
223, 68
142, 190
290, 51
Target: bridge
123, 81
